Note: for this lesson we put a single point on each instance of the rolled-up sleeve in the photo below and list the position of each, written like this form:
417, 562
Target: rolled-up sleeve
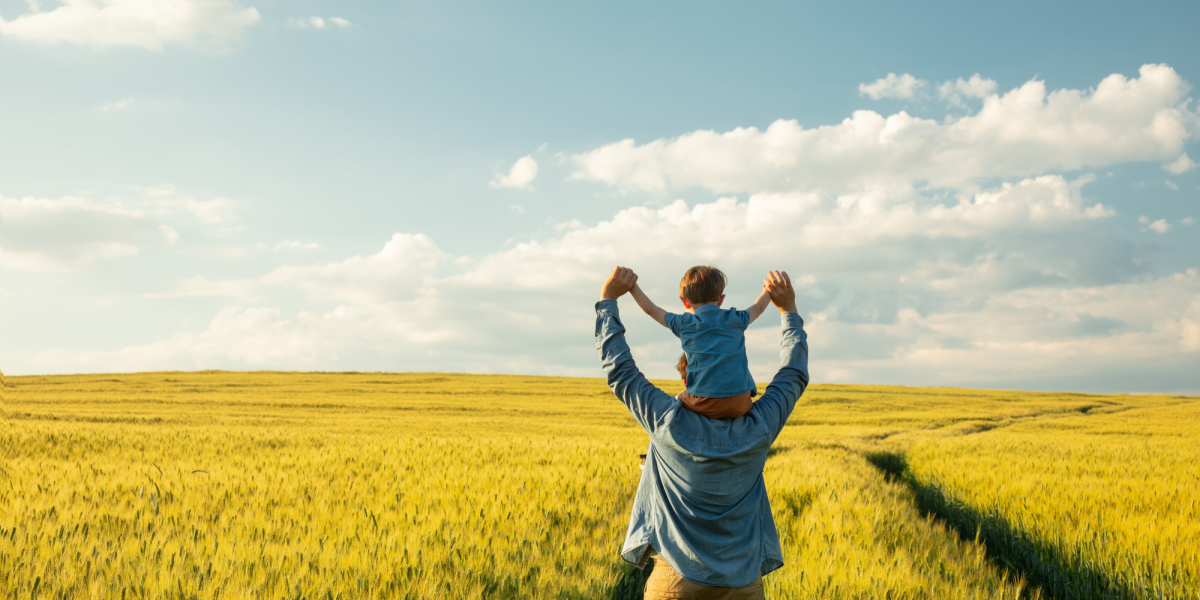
779, 400
646, 402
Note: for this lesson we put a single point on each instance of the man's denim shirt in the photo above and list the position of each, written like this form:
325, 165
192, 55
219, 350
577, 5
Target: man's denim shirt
701, 502
714, 339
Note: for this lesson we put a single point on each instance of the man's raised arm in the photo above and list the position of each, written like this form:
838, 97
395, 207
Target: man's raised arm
789, 383
646, 402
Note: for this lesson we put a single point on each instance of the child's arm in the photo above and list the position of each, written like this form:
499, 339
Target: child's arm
651, 308
759, 305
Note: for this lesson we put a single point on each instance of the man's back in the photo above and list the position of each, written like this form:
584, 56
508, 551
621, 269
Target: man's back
716, 457
707, 474
701, 501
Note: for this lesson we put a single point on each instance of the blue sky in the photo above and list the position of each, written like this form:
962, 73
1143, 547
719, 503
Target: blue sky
332, 186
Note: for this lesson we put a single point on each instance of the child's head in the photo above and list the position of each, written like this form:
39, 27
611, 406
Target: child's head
702, 285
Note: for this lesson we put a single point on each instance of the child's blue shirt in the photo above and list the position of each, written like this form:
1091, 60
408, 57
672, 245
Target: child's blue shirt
714, 340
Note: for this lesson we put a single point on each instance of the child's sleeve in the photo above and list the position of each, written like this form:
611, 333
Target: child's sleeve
674, 322
741, 319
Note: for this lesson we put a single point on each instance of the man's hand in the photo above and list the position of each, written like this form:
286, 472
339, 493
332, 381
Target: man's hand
617, 284
779, 285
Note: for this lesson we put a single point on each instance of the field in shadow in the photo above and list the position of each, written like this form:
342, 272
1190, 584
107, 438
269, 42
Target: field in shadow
1045, 569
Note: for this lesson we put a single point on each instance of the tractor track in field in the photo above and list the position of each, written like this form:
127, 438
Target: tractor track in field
1047, 570
986, 424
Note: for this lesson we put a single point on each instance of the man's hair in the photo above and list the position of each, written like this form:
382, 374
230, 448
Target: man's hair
701, 285
681, 366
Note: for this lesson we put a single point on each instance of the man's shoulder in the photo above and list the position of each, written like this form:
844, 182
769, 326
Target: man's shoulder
695, 434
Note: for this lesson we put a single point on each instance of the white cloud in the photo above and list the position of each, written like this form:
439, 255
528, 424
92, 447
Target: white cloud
976, 87
1190, 327
1023, 132
121, 104
1159, 226
251, 336
217, 252
1033, 335
74, 231
202, 287
306, 22
899, 273
988, 291
1181, 165
517, 208
166, 199
520, 176
903, 87
317, 22
1171, 185
1022, 283
396, 272
151, 24
1188, 221
64, 234
1130, 336
290, 245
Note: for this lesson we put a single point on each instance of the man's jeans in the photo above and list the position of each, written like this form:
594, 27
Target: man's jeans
665, 583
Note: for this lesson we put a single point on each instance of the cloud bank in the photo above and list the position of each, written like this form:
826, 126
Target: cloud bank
959, 253
150, 24
1026, 131
1022, 281
70, 233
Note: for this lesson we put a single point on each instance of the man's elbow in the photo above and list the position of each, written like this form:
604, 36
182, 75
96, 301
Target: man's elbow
793, 377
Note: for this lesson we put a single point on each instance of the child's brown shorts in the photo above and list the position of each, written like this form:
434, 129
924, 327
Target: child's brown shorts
729, 407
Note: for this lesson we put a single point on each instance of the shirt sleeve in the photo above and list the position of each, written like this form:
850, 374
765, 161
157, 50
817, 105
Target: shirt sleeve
647, 403
674, 322
742, 318
790, 382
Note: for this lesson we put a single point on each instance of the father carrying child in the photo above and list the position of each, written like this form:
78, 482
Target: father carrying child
714, 364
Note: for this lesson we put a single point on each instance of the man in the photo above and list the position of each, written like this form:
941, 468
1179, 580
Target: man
701, 504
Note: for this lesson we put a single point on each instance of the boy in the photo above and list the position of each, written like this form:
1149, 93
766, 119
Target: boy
714, 366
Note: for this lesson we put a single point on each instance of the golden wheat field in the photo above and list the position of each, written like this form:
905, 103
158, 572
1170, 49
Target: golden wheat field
427, 485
